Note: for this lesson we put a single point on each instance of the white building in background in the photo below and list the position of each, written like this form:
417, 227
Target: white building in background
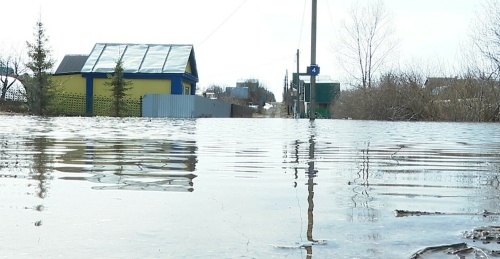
16, 92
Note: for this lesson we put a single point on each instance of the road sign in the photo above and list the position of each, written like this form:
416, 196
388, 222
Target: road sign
313, 70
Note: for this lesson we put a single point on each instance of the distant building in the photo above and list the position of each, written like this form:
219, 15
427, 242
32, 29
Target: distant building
436, 85
237, 92
326, 91
6, 70
16, 91
251, 84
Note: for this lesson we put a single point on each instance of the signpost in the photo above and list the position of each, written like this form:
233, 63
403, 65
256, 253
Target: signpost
312, 104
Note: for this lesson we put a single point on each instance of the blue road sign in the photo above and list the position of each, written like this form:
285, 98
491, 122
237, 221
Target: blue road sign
313, 70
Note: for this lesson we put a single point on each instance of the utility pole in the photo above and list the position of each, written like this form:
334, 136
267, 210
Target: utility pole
297, 81
312, 90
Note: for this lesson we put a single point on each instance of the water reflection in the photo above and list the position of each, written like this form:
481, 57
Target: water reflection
151, 165
40, 170
417, 166
361, 209
296, 170
311, 174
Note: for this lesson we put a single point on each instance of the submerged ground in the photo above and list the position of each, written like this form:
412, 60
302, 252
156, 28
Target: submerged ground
242, 188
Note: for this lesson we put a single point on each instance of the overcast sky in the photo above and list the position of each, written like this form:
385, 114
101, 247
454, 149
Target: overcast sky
235, 39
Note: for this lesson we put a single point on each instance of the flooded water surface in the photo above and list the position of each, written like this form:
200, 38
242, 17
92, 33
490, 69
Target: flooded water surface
243, 188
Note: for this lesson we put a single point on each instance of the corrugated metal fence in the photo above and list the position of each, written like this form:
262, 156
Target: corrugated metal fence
183, 106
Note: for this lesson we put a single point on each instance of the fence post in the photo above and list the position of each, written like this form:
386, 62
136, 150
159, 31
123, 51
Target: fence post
140, 105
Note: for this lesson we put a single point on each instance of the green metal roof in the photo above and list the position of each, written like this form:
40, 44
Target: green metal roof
140, 58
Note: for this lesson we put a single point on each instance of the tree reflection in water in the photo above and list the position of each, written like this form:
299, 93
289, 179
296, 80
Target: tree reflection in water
40, 171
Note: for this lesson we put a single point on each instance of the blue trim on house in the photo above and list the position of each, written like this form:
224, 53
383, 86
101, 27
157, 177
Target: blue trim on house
193, 89
144, 75
89, 95
190, 79
176, 85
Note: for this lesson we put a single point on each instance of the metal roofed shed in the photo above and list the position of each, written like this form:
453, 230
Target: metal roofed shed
139, 58
152, 69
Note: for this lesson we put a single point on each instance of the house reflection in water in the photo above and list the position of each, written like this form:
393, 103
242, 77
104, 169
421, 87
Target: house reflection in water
149, 165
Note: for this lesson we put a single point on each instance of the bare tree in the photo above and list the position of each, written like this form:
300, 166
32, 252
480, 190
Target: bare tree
215, 89
485, 38
366, 41
481, 55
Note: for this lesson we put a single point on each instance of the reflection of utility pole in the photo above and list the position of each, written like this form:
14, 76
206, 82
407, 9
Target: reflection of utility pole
312, 104
311, 174
297, 162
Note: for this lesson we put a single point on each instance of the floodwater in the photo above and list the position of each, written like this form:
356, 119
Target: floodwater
241, 188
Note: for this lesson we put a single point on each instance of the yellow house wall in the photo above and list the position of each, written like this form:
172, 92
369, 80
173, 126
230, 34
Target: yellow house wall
72, 84
140, 87
188, 68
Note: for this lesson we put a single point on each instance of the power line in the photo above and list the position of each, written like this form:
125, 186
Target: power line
302, 25
330, 12
223, 22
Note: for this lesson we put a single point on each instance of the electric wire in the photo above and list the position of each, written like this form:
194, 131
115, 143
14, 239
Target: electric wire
220, 25
330, 13
301, 29
302, 23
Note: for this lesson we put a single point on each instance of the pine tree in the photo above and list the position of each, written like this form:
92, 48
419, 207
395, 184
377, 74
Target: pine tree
39, 87
119, 87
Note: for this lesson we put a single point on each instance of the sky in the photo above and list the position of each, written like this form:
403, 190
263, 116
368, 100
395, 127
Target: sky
236, 39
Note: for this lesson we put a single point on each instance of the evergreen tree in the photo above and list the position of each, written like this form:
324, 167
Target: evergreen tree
119, 87
39, 87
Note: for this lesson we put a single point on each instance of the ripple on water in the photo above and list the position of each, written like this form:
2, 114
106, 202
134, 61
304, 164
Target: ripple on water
253, 182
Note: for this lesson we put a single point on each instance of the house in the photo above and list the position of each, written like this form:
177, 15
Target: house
152, 69
326, 92
436, 85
